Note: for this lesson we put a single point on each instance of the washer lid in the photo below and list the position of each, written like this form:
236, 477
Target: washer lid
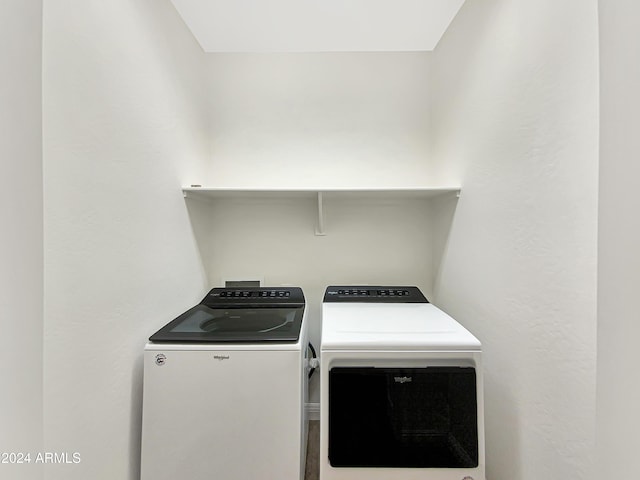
408, 326
239, 315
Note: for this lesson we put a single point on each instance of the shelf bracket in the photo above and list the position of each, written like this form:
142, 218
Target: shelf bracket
320, 227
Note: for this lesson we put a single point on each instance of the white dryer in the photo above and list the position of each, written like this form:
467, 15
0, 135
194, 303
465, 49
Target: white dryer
401, 389
225, 386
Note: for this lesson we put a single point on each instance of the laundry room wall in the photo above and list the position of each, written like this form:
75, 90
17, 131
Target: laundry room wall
123, 128
618, 414
515, 105
21, 262
320, 120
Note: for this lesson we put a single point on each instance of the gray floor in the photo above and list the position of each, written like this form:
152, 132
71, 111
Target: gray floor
313, 451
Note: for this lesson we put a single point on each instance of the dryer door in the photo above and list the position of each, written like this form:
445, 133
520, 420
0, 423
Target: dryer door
403, 417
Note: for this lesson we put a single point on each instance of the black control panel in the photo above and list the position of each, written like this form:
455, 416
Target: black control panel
374, 294
254, 296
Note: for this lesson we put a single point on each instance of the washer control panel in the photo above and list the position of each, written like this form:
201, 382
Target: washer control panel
374, 294
254, 295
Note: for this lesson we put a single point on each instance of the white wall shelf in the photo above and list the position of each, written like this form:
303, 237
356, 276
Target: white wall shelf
320, 194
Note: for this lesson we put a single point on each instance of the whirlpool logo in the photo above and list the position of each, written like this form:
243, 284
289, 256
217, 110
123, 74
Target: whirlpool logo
221, 357
403, 379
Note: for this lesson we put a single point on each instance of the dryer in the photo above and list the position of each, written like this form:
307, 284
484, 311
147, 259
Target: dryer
225, 386
401, 389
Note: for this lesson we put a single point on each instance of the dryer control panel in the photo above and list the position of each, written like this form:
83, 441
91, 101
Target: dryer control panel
374, 294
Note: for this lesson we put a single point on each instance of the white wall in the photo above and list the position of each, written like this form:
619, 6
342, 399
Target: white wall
515, 90
21, 266
123, 128
320, 120
619, 237
334, 119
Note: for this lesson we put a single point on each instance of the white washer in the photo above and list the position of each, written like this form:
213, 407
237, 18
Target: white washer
401, 389
225, 385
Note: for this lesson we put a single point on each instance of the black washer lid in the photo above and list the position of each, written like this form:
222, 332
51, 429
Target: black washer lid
373, 294
241, 315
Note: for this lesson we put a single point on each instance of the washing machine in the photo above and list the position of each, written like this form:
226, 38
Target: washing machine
401, 389
225, 387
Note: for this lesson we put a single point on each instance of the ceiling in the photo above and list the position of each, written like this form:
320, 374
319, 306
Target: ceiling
317, 25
